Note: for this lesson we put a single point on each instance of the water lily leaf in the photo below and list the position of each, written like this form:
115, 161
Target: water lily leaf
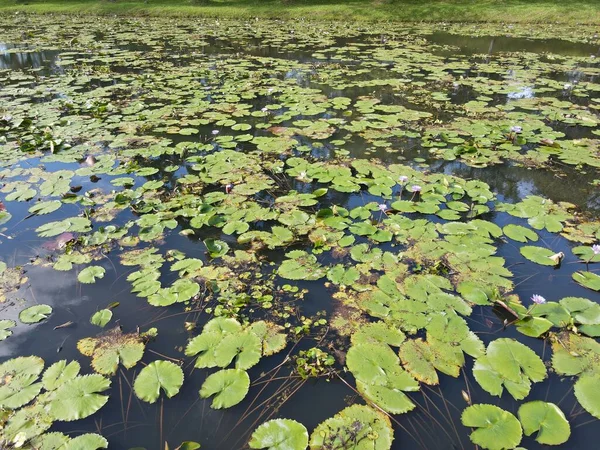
50, 441
586, 254
280, 434
533, 326
271, 336
519, 233
18, 386
582, 310
41, 208
538, 255
245, 347
27, 423
188, 445
59, 373
547, 419
422, 358
229, 387
378, 332
364, 427
111, 348
496, 429
90, 274
586, 392
205, 344
5, 325
371, 362
155, 376
79, 398
300, 266
573, 354
216, 247
59, 441
475, 293
554, 312
35, 314
511, 365
101, 318
88, 441
588, 279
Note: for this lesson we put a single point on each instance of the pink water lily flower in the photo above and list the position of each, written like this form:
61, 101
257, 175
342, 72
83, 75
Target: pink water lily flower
403, 178
382, 207
416, 188
215, 132
596, 249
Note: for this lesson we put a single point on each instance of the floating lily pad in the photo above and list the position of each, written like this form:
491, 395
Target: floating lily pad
495, 429
157, 376
588, 279
538, 255
511, 365
101, 318
519, 233
5, 328
35, 314
547, 419
229, 387
366, 428
91, 274
111, 348
280, 434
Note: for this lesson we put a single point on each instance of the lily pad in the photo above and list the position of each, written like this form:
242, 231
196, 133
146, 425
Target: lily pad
5, 328
547, 419
111, 348
538, 255
361, 425
511, 365
229, 387
280, 434
588, 279
91, 274
519, 233
496, 429
155, 376
101, 318
35, 314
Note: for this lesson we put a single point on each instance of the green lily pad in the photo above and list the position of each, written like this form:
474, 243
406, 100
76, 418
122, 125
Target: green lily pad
547, 419
588, 279
5, 325
538, 255
519, 233
35, 314
101, 318
365, 427
229, 387
19, 386
280, 434
155, 376
91, 274
79, 398
511, 365
496, 429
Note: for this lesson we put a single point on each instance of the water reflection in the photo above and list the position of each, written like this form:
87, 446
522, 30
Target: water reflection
13, 57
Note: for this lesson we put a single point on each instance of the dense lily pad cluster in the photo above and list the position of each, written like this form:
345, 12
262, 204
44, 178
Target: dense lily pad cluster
332, 160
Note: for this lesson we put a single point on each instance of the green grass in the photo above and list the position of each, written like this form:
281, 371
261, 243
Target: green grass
514, 11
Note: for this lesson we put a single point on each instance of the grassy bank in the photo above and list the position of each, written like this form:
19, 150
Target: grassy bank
515, 11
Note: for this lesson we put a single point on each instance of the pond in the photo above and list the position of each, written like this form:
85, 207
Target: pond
270, 234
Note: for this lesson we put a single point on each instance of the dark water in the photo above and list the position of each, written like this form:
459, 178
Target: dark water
435, 424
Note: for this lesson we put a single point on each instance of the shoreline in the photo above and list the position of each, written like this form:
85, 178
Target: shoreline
493, 11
